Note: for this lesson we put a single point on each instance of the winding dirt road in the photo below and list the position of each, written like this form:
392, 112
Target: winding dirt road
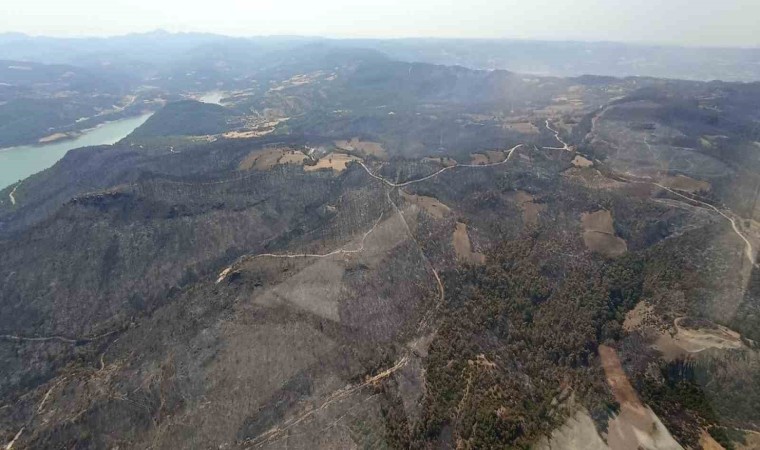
565, 146
11, 196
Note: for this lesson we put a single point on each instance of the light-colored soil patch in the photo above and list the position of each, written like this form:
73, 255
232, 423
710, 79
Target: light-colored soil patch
580, 161
592, 178
245, 134
488, 157
366, 148
431, 205
600, 221
530, 209
294, 157
463, 247
53, 137
262, 159
577, 433
335, 161
696, 337
443, 161
684, 183
255, 127
637, 318
496, 156
752, 439
315, 289
478, 158
599, 234
521, 127
706, 442
636, 426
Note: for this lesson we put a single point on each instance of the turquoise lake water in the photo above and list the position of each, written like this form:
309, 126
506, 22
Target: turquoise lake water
17, 163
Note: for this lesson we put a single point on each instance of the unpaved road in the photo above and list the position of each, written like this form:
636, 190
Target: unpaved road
13, 199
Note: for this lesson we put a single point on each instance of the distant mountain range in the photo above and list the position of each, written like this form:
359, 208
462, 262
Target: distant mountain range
552, 58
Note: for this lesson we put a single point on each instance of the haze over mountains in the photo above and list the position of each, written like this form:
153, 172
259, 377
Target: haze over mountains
381, 244
525, 56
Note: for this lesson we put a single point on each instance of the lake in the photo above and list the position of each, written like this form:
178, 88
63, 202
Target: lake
17, 163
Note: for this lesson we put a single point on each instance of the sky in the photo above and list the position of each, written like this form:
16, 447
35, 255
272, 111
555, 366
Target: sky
682, 22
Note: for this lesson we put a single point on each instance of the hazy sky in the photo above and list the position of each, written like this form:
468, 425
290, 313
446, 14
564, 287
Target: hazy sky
690, 22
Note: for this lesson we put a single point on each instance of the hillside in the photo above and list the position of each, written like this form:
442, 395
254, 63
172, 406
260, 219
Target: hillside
380, 254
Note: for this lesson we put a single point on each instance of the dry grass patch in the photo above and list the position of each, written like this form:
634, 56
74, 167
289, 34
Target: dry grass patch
431, 205
530, 209
366, 148
636, 426
684, 183
294, 157
463, 247
580, 161
335, 161
443, 160
478, 158
268, 158
599, 234
694, 336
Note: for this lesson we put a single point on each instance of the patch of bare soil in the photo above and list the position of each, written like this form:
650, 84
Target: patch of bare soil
262, 159
521, 127
577, 433
53, 137
315, 289
636, 426
335, 161
443, 161
638, 317
431, 205
463, 247
293, 157
591, 178
580, 161
479, 159
366, 148
752, 441
495, 156
708, 443
530, 209
694, 336
684, 183
599, 234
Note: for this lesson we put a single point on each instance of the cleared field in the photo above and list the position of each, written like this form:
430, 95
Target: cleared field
580, 161
266, 159
530, 209
463, 247
366, 148
335, 161
599, 234
479, 159
444, 161
695, 336
684, 183
431, 205
293, 157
